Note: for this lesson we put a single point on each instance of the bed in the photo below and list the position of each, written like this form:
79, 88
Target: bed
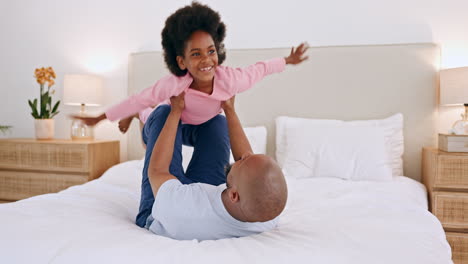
326, 220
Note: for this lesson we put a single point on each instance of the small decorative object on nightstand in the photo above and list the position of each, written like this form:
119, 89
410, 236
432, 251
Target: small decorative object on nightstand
445, 175
30, 167
44, 112
453, 143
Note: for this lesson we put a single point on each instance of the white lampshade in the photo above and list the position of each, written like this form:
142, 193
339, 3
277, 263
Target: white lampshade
454, 86
82, 89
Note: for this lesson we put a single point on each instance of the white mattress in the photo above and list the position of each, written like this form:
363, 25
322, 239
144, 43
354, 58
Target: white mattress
325, 221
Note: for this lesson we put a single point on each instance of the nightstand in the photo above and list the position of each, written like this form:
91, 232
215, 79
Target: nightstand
445, 175
30, 167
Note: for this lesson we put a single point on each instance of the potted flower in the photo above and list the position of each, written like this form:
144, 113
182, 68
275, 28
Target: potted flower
44, 112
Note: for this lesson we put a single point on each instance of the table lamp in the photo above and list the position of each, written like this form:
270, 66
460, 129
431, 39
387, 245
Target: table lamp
454, 91
83, 90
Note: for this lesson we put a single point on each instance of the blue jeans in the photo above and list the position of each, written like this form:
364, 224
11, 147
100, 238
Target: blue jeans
210, 141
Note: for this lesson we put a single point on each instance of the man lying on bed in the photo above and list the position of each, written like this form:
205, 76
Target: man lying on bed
255, 195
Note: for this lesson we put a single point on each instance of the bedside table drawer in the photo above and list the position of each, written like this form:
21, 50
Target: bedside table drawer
30, 167
16, 185
452, 171
459, 244
451, 209
44, 156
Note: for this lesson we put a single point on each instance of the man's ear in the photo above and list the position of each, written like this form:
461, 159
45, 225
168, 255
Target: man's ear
233, 195
180, 62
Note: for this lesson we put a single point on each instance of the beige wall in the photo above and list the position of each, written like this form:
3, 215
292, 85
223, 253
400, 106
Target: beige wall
97, 36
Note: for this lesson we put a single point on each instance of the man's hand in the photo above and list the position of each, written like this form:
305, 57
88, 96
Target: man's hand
229, 104
178, 103
90, 121
297, 56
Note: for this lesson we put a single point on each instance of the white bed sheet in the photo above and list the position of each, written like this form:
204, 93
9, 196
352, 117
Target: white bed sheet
326, 221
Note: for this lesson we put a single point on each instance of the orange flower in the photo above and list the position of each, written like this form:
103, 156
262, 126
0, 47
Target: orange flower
44, 75
41, 80
39, 73
51, 72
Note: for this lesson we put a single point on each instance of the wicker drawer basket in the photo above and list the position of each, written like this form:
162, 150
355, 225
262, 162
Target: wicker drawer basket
452, 171
451, 208
459, 244
20, 184
45, 156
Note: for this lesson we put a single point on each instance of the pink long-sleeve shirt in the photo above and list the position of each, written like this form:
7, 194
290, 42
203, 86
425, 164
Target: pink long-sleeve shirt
199, 107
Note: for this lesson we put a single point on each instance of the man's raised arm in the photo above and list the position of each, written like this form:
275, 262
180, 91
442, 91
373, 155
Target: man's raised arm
158, 170
240, 145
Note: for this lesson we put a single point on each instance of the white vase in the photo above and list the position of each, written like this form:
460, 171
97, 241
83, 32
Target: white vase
44, 128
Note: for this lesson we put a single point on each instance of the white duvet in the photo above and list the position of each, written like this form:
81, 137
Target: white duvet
325, 221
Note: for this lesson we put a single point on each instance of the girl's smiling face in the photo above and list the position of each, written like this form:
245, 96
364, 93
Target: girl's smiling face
200, 58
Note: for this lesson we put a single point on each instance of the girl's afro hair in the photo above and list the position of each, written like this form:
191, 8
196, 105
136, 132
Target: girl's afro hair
180, 26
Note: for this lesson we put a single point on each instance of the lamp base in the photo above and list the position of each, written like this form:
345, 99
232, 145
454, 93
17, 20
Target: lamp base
80, 131
460, 127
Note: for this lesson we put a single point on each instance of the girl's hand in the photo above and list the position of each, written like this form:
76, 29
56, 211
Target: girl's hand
297, 56
124, 124
178, 103
229, 104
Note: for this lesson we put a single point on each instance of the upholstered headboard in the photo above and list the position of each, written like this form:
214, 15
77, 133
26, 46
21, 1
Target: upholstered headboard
342, 82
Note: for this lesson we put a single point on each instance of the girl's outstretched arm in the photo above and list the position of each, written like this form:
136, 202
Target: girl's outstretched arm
241, 79
90, 121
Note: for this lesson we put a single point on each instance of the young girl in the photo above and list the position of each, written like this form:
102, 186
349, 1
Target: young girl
192, 41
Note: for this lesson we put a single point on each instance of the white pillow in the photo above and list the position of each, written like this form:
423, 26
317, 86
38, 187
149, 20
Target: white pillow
347, 152
257, 137
392, 128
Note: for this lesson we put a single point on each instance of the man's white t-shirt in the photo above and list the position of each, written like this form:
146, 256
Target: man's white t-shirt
196, 211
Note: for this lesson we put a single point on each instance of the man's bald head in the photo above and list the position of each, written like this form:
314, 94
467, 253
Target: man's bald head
260, 186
